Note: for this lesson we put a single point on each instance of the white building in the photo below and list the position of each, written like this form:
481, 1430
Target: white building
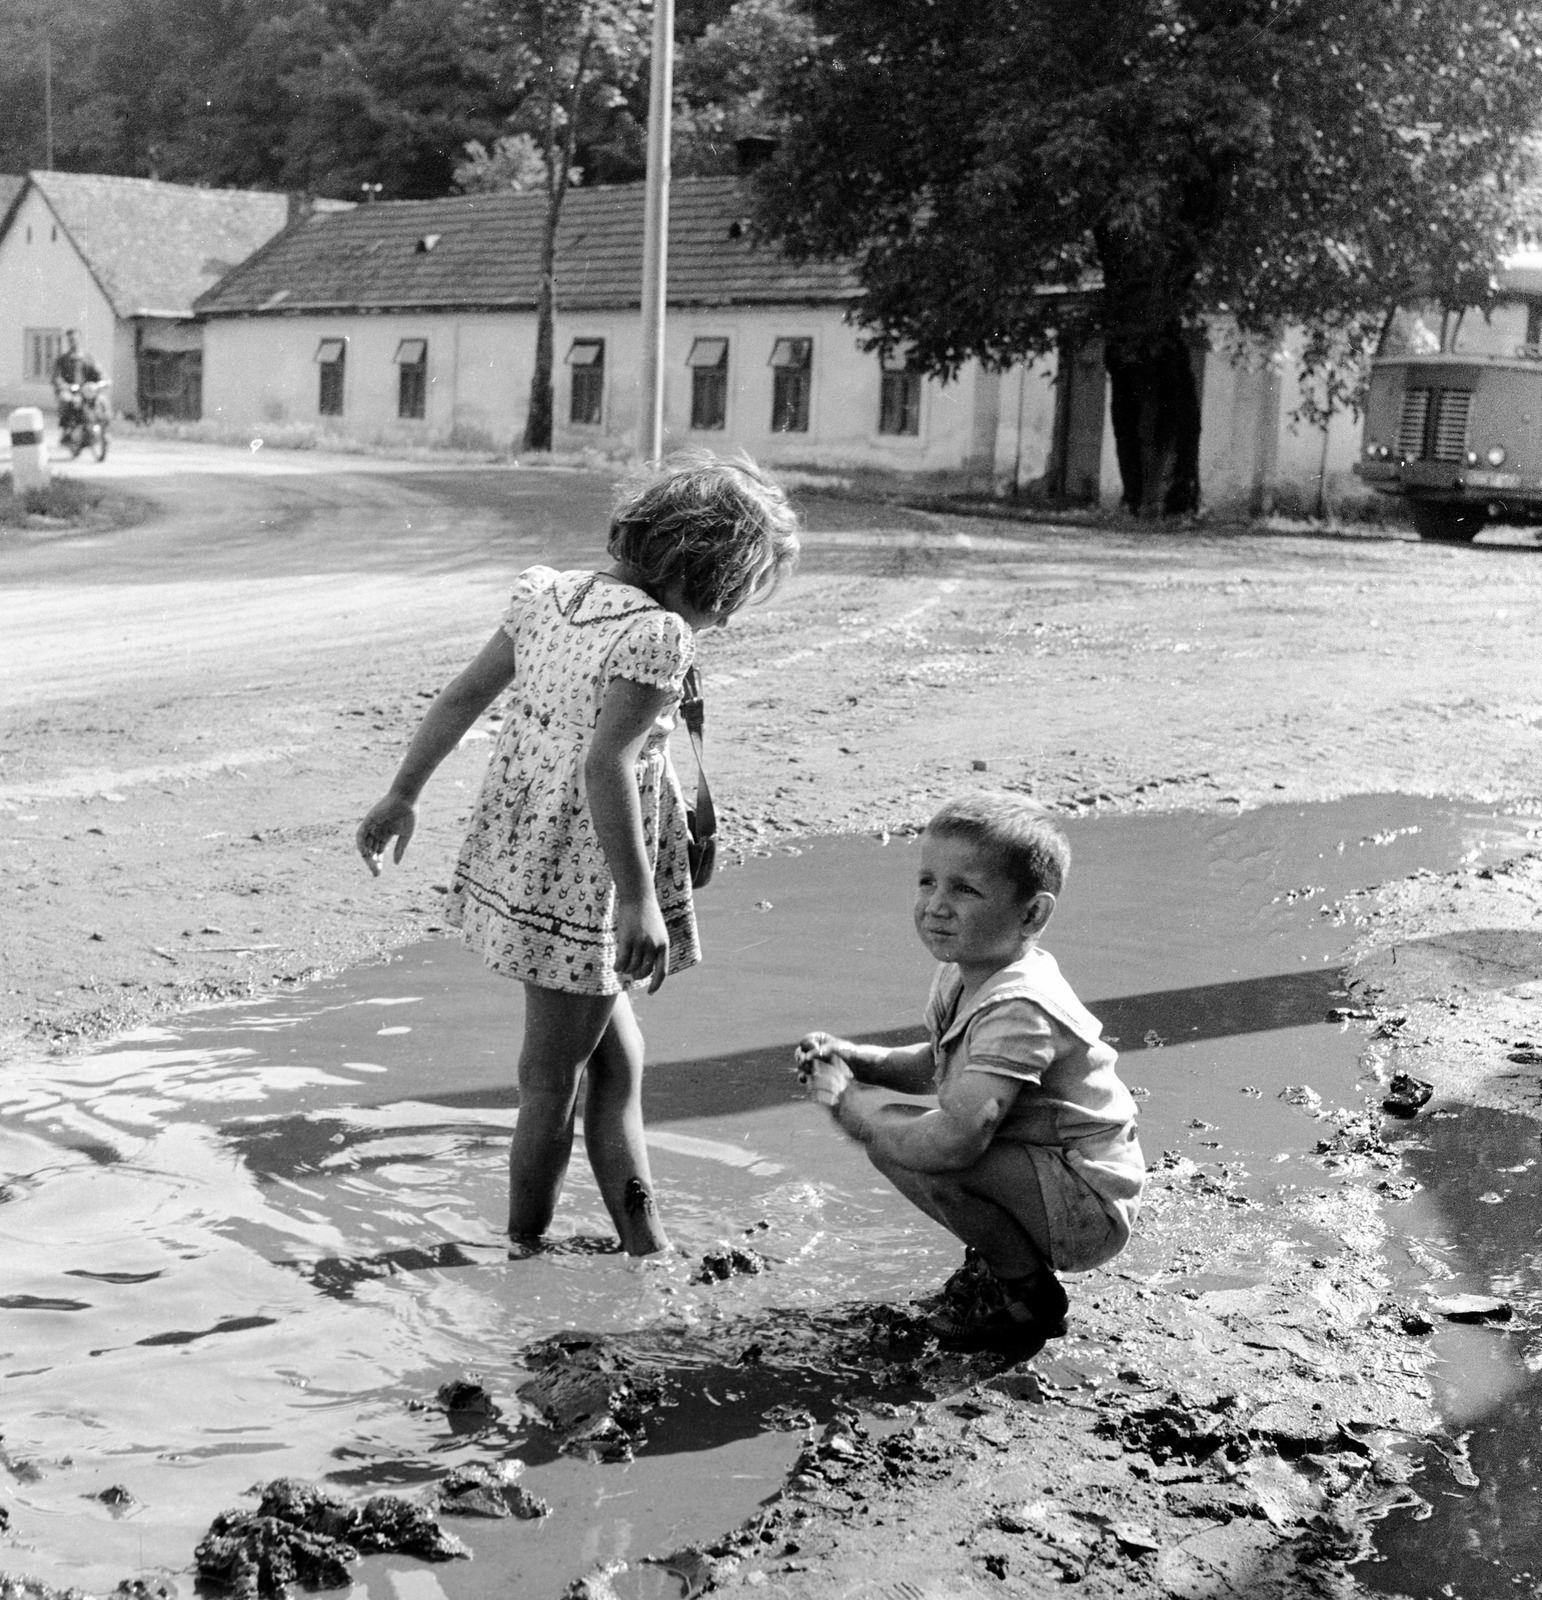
415, 321
122, 260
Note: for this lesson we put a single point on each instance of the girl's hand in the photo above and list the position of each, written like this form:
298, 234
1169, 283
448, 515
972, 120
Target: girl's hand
642, 941
391, 818
829, 1080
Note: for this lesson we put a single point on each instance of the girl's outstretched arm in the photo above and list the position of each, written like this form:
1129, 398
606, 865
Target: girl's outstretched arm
627, 716
457, 707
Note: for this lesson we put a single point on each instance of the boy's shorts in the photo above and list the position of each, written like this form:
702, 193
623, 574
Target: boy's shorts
1085, 1228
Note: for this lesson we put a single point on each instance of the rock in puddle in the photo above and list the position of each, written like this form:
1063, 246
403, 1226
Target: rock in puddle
1406, 1094
1471, 1308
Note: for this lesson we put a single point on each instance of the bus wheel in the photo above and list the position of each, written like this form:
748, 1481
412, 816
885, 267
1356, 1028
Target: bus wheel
1448, 524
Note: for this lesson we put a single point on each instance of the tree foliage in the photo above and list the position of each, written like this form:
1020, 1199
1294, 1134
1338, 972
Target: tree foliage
326, 95
1309, 162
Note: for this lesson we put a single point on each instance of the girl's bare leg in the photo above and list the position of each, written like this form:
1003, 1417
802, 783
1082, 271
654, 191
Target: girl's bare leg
562, 1031
613, 1134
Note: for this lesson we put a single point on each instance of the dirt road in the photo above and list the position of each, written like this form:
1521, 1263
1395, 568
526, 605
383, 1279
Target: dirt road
197, 709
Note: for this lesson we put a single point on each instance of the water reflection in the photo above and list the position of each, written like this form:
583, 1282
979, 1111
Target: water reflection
272, 1229
1474, 1228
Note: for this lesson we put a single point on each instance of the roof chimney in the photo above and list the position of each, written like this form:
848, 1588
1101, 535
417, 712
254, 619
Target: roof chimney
754, 150
301, 208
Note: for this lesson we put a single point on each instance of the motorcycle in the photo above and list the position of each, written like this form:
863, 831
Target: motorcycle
83, 417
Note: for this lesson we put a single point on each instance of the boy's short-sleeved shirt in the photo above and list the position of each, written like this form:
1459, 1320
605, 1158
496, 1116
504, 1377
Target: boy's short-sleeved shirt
1025, 1022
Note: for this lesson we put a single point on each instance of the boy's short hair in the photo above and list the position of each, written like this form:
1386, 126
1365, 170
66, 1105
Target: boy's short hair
720, 528
1028, 848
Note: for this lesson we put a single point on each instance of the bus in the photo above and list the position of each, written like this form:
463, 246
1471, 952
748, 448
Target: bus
1453, 421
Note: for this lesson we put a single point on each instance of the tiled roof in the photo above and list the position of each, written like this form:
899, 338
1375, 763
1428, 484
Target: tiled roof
11, 187
155, 247
485, 252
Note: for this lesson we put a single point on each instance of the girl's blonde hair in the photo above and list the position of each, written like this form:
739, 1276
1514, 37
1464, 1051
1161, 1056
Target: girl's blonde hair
719, 528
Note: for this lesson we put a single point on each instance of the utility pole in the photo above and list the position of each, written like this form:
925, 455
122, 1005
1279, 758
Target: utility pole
650, 430
48, 104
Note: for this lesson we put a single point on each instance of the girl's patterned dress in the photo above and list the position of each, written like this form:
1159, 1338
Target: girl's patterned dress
532, 890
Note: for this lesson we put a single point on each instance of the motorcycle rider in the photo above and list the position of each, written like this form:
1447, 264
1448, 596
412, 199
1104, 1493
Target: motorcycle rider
72, 367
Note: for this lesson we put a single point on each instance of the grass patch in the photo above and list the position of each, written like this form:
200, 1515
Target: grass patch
69, 503
466, 446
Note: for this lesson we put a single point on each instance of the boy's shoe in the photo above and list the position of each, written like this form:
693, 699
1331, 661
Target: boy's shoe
962, 1288
1017, 1320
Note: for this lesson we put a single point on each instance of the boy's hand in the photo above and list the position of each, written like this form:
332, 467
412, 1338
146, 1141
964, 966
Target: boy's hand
829, 1080
813, 1048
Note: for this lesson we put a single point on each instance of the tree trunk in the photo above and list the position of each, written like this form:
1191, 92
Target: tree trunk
538, 418
1154, 406
559, 167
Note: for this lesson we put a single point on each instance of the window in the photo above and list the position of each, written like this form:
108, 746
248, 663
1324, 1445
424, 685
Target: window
329, 357
587, 359
708, 362
412, 378
791, 364
40, 349
899, 404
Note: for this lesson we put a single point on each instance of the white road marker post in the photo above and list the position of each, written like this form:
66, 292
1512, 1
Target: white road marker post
29, 451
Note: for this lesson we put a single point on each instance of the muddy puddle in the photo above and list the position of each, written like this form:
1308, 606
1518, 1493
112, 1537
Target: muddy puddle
261, 1242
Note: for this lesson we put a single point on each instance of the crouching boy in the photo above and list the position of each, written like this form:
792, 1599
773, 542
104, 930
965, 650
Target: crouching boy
1030, 1157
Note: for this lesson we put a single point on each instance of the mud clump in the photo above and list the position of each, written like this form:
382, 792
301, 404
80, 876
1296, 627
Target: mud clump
467, 1397
299, 1534
1182, 1429
476, 1490
593, 1394
729, 1261
1407, 1094
822, 1467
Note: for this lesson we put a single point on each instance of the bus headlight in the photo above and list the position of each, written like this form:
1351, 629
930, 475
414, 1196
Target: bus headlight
1496, 456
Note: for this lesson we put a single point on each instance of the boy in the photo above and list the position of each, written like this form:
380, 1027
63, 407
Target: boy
1030, 1156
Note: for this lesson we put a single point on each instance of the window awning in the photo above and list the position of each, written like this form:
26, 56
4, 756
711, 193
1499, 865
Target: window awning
708, 353
587, 353
412, 352
330, 350
792, 353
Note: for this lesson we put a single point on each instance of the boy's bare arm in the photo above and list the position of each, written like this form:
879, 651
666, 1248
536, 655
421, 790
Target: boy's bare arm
952, 1137
906, 1068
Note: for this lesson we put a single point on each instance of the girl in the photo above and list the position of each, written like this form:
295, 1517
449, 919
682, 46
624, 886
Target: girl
573, 877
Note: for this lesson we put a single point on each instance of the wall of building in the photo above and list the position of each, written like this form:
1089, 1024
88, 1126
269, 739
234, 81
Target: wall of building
1313, 473
262, 371
44, 283
1025, 427
1254, 455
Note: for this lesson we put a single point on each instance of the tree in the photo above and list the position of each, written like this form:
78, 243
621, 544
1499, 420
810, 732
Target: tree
515, 163
395, 104
726, 80
1016, 176
566, 64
